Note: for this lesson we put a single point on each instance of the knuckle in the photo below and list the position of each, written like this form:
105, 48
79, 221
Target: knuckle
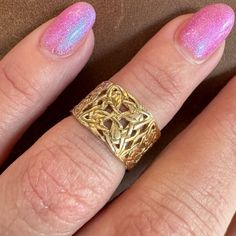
62, 189
163, 83
17, 83
145, 223
162, 212
160, 219
222, 125
225, 126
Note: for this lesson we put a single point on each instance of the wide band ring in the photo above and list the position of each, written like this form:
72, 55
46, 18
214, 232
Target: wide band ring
119, 120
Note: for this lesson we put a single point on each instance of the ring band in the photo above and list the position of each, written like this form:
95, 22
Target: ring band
119, 120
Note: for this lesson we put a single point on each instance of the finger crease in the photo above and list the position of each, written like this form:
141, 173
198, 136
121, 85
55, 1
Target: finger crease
12, 82
45, 206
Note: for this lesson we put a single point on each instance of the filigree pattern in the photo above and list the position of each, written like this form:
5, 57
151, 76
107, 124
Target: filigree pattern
119, 120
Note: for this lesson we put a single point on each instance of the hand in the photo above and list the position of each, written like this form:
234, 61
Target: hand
67, 176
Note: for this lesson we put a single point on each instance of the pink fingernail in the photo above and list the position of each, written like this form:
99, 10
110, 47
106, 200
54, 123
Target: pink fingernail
206, 31
68, 29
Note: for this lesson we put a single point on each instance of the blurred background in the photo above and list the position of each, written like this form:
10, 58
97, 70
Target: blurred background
121, 29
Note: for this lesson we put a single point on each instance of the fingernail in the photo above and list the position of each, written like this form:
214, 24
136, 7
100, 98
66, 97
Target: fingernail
68, 29
205, 31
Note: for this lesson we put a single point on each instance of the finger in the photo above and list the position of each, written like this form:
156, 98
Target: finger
191, 189
40, 67
68, 175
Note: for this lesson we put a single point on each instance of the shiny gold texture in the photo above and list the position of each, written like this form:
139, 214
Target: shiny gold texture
118, 119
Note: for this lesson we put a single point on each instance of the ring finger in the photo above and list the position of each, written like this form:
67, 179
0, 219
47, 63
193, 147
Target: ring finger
67, 176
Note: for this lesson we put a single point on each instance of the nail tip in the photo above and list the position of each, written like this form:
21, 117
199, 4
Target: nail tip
223, 11
87, 8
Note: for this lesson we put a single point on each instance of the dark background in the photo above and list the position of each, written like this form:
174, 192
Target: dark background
121, 29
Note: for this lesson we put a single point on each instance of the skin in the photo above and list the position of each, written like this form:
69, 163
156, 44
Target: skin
67, 176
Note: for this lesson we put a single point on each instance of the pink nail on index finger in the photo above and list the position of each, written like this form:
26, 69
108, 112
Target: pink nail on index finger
206, 30
68, 29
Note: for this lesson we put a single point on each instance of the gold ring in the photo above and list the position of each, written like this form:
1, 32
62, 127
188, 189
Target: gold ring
119, 120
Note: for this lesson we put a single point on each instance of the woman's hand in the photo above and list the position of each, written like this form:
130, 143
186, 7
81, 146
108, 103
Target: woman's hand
67, 176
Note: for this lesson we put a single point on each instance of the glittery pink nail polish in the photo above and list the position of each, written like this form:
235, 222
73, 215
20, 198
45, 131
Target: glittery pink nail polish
205, 31
68, 29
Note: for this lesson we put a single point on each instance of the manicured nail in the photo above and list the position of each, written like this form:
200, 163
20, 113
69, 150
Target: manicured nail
68, 29
205, 31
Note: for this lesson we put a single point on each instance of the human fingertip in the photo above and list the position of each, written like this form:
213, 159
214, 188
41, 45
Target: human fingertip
68, 30
205, 32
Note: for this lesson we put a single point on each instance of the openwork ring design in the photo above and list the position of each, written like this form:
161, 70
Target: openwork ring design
119, 120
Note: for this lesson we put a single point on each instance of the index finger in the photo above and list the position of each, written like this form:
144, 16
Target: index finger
34, 73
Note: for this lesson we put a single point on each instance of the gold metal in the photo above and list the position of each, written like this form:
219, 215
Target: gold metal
117, 118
